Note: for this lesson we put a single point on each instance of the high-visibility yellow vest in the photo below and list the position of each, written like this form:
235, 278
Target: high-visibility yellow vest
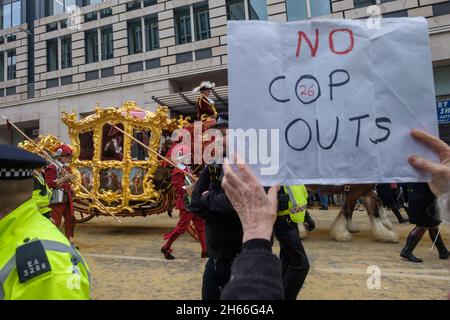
37, 262
298, 200
42, 195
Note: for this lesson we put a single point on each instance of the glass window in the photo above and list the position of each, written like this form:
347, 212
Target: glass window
107, 43
86, 145
202, 30
91, 75
69, 3
153, 63
183, 25
10, 14
107, 72
107, 12
66, 52
66, 80
58, 7
320, 8
52, 55
63, 23
52, 26
441, 9
296, 10
7, 16
16, 13
53, 7
91, 38
2, 66
396, 14
134, 37
90, 16
257, 9
1, 19
203, 54
133, 5
183, 57
11, 65
89, 2
112, 142
236, 9
442, 80
149, 2
151, 34
363, 3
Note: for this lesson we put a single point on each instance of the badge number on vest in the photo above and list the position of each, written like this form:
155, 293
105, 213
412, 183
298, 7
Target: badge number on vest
31, 261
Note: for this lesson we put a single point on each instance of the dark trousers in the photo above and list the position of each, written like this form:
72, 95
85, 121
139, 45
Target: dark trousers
294, 262
216, 276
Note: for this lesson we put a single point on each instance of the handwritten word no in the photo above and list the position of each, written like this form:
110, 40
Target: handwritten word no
332, 33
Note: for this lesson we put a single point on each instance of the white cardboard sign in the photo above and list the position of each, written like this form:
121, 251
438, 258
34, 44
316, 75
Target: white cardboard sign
342, 96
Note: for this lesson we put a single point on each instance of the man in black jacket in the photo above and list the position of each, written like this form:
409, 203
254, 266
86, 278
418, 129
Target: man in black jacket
223, 227
256, 272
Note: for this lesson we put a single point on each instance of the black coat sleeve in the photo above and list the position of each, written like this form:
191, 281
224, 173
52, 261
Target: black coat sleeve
197, 206
256, 274
211, 205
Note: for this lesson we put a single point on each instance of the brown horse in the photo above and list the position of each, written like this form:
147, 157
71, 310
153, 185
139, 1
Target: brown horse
343, 225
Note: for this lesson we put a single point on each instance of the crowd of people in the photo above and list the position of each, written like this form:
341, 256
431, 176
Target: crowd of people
236, 219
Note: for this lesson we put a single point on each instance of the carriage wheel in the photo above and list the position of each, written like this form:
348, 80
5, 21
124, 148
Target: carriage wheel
81, 217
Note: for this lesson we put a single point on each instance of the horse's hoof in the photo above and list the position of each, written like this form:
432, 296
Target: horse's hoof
343, 237
352, 228
390, 237
303, 232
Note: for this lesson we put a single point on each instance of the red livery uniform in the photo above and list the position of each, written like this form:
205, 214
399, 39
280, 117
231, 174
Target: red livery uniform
178, 182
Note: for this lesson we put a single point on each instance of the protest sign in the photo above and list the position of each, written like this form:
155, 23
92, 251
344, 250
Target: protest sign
336, 99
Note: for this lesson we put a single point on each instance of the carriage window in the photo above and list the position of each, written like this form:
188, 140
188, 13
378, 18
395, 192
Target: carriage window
112, 143
111, 179
86, 145
138, 152
136, 180
87, 178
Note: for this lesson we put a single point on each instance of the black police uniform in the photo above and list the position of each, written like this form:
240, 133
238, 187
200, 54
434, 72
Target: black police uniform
223, 230
294, 261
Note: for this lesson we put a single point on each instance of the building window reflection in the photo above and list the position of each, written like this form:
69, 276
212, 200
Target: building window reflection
304, 9
10, 14
247, 9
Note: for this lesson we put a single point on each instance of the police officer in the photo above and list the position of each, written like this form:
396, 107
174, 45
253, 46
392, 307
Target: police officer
223, 227
36, 260
292, 203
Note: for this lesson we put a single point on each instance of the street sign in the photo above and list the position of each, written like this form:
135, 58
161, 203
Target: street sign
443, 111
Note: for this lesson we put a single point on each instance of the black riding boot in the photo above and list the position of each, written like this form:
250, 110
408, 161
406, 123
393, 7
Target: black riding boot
440, 245
399, 216
407, 251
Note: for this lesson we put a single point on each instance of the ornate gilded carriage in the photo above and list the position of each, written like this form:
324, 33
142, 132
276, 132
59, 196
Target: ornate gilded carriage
123, 175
